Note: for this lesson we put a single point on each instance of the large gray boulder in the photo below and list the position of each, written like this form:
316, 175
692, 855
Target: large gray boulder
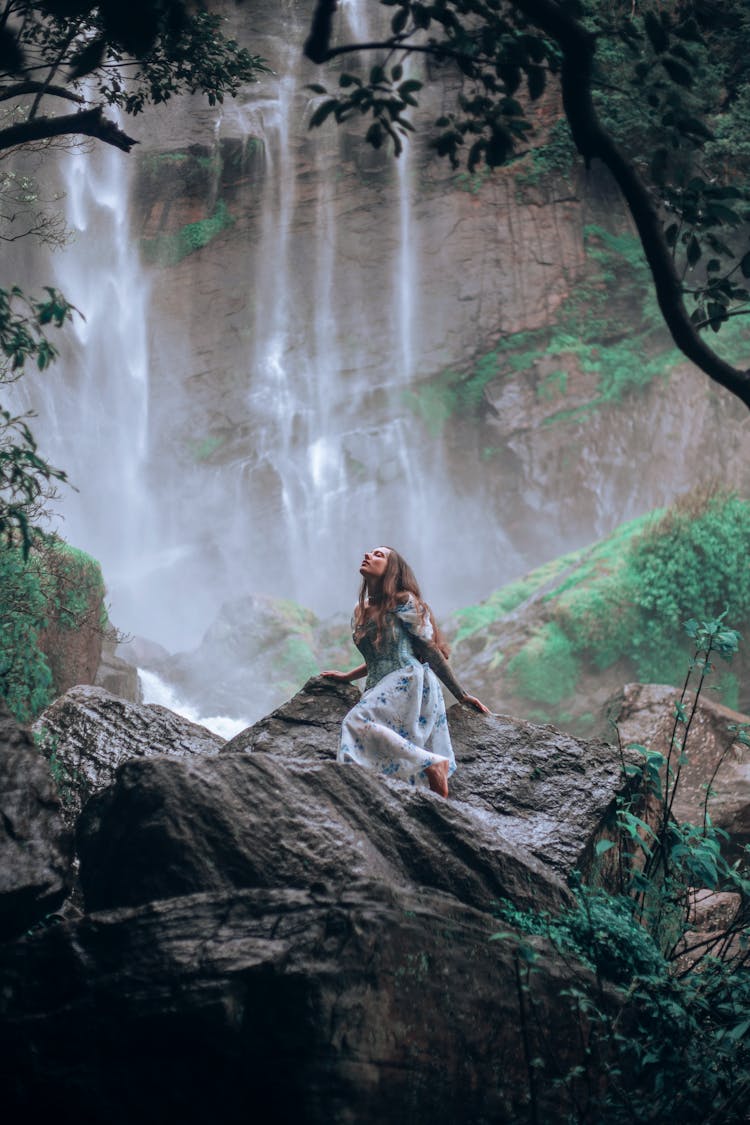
273, 937
91, 732
541, 790
35, 846
168, 828
361, 1004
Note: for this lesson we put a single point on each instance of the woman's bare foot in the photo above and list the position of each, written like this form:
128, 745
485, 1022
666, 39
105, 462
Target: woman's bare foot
437, 778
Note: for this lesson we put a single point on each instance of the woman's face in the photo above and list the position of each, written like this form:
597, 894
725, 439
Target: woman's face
374, 562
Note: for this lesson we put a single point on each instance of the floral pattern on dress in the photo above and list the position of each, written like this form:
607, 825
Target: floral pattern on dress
399, 726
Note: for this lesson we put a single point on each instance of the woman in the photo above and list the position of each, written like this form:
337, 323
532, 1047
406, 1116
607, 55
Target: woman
399, 725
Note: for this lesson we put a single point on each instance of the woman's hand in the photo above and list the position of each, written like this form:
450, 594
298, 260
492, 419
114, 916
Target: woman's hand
477, 704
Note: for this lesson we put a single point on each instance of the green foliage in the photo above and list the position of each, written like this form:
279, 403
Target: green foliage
204, 449
169, 249
25, 676
664, 1033
623, 602
188, 56
632, 606
199, 58
609, 327
656, 1045
551, 161
601, 931
191, 173
656, 80
545, 670
505, 601
73, 585
298, 661
26, 479
53, 586
695, 559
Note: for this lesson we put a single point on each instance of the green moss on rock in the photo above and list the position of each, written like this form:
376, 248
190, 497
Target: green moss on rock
609, 327
614, 612
169, 249
48, 602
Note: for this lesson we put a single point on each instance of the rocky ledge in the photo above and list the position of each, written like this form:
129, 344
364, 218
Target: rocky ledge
268, 936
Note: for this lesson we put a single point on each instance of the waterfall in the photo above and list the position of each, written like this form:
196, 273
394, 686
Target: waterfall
328, 371
93, 406
324, 457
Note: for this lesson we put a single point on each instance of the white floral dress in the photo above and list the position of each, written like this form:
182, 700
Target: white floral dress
399, 726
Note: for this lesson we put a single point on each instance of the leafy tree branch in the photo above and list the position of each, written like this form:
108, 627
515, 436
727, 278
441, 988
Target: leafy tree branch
107, 54
661, 52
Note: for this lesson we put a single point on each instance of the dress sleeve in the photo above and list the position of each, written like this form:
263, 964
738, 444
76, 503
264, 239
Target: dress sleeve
416, 619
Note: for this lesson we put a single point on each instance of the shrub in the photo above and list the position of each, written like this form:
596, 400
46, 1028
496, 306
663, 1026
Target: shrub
664, 1034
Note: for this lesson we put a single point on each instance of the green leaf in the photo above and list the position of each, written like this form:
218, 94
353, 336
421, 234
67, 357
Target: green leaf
510, 75
374, 135
322, 112
739, 1031
497, 148
398, 23
722, 213
410, 86
659, 162
677, 71
89, 59
604, 846
693, 251
745, 265
656, 33
717, 314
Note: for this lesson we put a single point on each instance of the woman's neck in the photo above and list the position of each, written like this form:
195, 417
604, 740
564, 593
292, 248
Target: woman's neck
374, 591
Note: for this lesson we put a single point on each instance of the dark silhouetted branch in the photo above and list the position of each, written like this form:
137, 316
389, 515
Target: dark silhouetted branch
88, 123
22, 88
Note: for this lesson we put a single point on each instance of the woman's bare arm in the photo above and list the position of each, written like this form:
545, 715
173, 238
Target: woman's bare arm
347, 677
429, 652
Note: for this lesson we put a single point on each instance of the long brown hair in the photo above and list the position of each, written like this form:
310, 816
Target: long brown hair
398, 581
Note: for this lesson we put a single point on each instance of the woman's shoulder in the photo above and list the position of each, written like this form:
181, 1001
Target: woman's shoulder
405, 600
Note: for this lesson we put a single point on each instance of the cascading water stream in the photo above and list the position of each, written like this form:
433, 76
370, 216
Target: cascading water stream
93, 408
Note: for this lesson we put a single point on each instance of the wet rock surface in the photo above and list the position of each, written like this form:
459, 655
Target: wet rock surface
547, 792
298, 941
369, 1004
169, 828
35, 846
91, 732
